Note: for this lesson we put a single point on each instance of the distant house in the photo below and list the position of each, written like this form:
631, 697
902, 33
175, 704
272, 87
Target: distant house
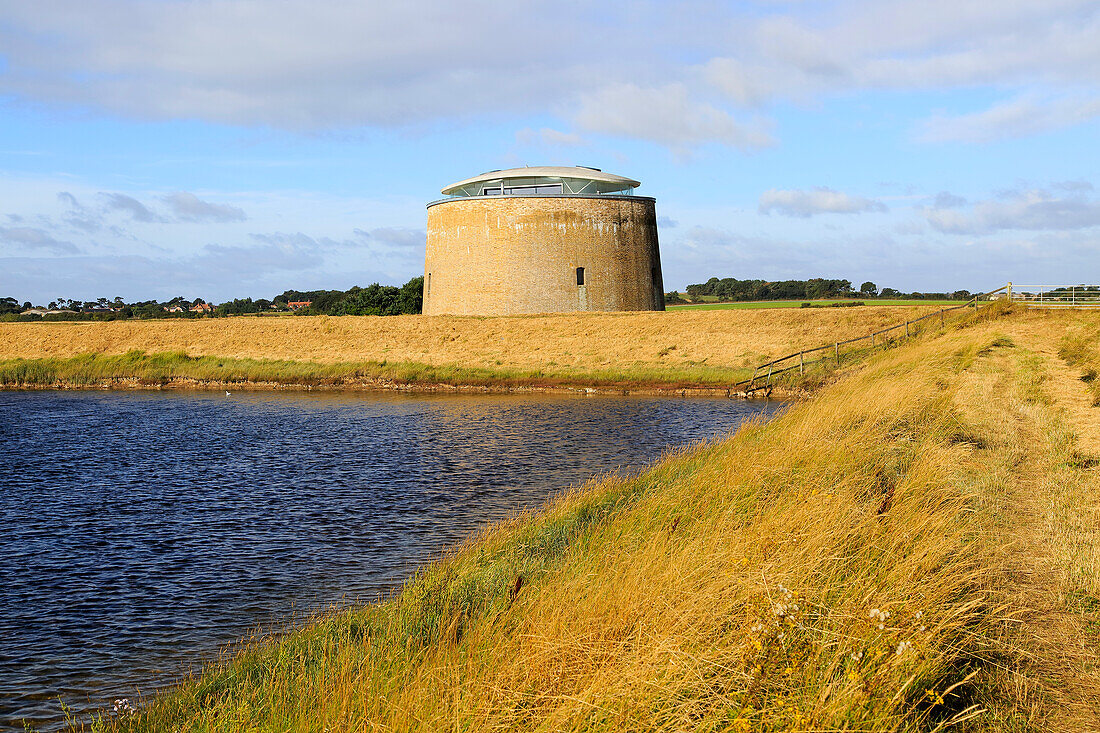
297, 304
202, 308
45, 311
174, 309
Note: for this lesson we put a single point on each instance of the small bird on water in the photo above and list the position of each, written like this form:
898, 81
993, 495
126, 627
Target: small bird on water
227, 393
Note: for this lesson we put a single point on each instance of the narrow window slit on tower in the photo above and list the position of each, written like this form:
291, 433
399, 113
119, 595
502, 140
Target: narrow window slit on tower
580, 276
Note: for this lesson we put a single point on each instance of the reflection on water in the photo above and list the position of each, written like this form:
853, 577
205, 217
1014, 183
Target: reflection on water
143, 531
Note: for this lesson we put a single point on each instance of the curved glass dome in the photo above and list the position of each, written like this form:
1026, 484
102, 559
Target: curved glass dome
543, 181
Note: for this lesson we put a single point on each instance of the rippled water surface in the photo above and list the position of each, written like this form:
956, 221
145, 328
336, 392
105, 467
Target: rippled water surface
143, 531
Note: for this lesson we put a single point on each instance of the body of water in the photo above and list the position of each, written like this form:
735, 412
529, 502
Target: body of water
143, 531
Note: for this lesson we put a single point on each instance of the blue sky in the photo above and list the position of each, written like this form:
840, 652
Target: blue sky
153, 148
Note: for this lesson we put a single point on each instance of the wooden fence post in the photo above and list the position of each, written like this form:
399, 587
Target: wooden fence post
836, 351
907, 329
801, 363
941, 317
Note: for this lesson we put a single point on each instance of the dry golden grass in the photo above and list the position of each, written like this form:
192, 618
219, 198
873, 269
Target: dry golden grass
1068, 345
910, 550
589, 342
1036, 411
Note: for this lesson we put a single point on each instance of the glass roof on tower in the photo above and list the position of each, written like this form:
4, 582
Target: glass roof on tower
543, 181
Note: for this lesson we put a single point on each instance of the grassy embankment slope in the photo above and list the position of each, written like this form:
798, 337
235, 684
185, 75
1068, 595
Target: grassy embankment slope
909, 550
663, 350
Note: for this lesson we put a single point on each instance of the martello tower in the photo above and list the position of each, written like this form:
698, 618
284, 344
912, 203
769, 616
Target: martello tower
542, 240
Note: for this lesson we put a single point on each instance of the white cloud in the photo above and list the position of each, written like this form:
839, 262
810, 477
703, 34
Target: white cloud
977, 264
305, 64
78, 216
549, 137
1030, 210
947, 200
703, 252
1074, 186
189, 207
35, 239
819, 200
216, 271
678, 73
756, 83
295, 241
394, 238
1044, 51
211, 258
128, 204
899, 44
381, 241
1019, 117
966, 42
667, 115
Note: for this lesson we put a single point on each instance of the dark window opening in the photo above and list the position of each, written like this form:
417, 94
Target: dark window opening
428, 285
580, 276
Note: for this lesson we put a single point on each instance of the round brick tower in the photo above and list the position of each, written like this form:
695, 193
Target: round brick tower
542, 240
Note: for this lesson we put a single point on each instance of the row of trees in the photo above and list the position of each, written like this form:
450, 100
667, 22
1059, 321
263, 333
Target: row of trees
373, 300
11, 305
732, 289
102, 305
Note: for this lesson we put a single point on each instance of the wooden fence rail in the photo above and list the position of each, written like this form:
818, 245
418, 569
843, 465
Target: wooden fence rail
835, 346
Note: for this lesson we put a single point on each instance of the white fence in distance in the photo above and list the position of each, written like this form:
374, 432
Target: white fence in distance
1056, 296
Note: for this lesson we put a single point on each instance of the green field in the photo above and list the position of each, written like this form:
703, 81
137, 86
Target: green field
749, 304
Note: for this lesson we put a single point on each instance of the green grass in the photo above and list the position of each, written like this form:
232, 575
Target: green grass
92, 370
754, 304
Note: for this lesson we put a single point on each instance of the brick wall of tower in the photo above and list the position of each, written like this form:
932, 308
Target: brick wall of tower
514, 254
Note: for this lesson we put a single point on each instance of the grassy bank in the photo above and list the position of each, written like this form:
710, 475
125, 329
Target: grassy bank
869, 560
637, 351
585, 342
177, 369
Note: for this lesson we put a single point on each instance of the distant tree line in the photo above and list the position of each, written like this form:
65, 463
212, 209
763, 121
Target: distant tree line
732, 289
373, 300
11, 305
